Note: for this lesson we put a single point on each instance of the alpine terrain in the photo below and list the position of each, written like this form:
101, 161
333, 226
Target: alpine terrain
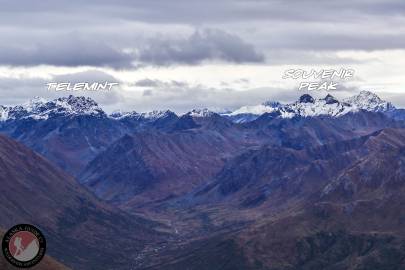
313, 184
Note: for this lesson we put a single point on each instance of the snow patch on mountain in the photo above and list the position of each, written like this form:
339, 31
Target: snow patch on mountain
3, 113
201, 113
119, 114
152, 115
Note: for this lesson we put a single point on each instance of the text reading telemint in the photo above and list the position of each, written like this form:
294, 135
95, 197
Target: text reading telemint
80, 86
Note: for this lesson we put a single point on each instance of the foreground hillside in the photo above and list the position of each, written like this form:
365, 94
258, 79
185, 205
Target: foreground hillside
80, 230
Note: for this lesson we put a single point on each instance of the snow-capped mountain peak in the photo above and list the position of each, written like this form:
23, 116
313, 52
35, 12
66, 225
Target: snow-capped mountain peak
369, 101
156, 114
119, 114
152, 115
34, 103
306, 99
78, 105
307, 106
42, 109
201, 113
329, 99
272, 104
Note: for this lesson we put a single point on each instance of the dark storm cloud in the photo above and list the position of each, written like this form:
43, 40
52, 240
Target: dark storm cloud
128, 34
64, 53
201, 45
208, 44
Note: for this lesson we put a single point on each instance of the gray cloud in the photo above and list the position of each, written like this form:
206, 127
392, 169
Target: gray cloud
102, 33
207, 44
327, 41
19, 90
174, 95
126, 34
147, 83
85, 76
75, 50
147, 92
65, 51
198, 12
182, 97
396, 98
161, 84
16, 90
309, 57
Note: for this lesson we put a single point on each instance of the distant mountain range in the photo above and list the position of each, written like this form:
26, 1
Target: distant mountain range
314, 184
307, 106
42, 109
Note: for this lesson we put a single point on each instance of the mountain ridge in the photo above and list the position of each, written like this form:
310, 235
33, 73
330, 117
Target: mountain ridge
306, 106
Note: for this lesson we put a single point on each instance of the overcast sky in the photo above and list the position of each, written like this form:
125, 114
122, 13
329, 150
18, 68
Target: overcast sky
185, 54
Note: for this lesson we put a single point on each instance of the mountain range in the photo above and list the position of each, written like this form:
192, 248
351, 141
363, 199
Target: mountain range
307, 106
314, 184
42, 109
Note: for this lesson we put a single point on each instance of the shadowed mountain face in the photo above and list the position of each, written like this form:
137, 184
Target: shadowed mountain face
80, 230
158, 165
151, 166
72, 131
70, 142
301, 132
369, 166
354, 221
278, 173
273, 177
337, 206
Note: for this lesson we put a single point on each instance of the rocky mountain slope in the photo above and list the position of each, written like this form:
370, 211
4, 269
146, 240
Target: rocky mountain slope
151, 166
81, 231
337, 206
